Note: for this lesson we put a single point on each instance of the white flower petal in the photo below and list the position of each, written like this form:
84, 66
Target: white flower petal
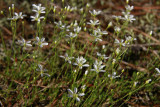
70, 91
81, 94
75, 90
77, 99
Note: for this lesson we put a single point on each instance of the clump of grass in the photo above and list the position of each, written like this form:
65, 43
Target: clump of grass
74, 66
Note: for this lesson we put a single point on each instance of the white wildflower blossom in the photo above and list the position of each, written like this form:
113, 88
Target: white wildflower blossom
113, 75
129, 8
38, 8
36, 18
102, 56
93, 23
129, 39
117, 17
17, 16
117, 29
67, 58
40, 68
97, 37
95, 13
80, 62
83, 87
77, 29
117, 51
99, 32
24, 43
75, 94
129, 18
71, 35
40, 42
98, 67
120, 42
20, 15
62, 26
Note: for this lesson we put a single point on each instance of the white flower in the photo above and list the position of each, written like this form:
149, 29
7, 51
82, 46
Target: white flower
117, 17
120, 42
80, 62
24, 43
94, 12
40, 42
36, 18
129, 8
117, 29
96, 36
38, 9
77, 29
117, 51
72, 35
98, 67
17, 16
67, 58
99, 32
40, 68
129, 18
62, 26
93, 23
102, 56
83, 87
129, 39
113, 75
75, 94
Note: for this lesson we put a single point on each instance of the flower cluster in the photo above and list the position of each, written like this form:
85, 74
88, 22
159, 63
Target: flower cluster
126, 42
126, 14
39, 42
38, 9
